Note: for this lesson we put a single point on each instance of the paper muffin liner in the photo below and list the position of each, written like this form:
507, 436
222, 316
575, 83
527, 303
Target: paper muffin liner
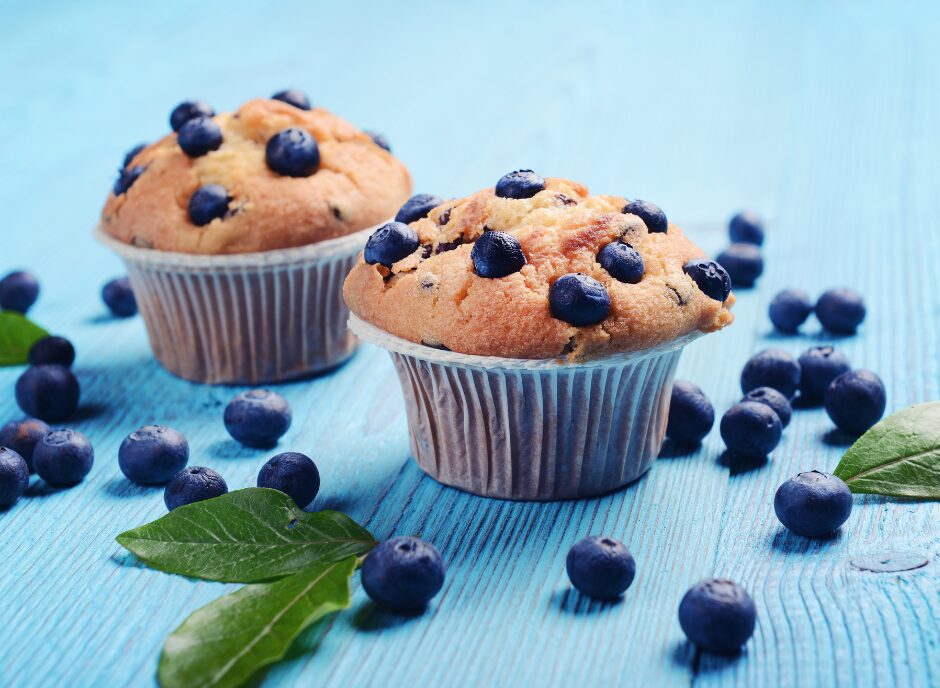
532, 429
247, 318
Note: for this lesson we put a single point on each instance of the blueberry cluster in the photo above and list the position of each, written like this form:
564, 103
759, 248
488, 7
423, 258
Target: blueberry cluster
743, 259
840, 311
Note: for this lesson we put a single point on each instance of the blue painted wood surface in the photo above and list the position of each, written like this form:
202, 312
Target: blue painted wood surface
822, 116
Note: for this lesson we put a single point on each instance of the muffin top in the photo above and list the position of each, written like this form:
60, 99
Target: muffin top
538, 268
274, 174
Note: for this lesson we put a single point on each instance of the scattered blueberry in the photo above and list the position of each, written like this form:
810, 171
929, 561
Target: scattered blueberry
578, 300
22, 436
193, 484
126, 178
416, 207
208, 203
841, 311
775, 400
751, 429
691, 415
813, 503
257, 418
497, 254
746, 227
856, 400
293, 152
622, 261
198, 136
519, 184
187, 110
118, 296
743, 263
14, 477
403, 573
652, 215
294, 97
600, 567
153, 455
390, 243
771, 368
63, 457
293, 474
18, 291
48, 392
819, 366
790, 309
52, 350
718, 615
132, 153
712, 279
379, 140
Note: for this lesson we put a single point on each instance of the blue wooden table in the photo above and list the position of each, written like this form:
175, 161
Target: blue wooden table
822, 116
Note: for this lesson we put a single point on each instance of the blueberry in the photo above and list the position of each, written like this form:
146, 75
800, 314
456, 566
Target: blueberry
63, 457
48, 392
22, 436
775, 400
379, 140
841, 311
751, 429
293, 474
198, 136
416, 207
292, 96
497, 254
691, 415
403, 573
746, 227
622, 261
131, 154
52, 350
118, 296
126, 178
292, 152
790, 309
819, 366
718, 615
813, 504
712, 279
193, 484
578, 300
652, 215
153, 455
257, 418
771, 368
856, 400
187, 110
208, 203
600, 567
743, 262
519, 184
390, 243
14, 477
18, 292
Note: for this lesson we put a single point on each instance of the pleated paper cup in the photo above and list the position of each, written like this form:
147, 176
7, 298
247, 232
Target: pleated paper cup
247, 318
532, 429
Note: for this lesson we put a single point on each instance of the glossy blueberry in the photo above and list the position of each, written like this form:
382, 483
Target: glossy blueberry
712, 279
63, 457
652, 215
841, 311
622, 261
390, 243
48, 392
292, 152
775, 400
52, 350
22, 436
497, 254
403, 574
416, 207
14, 477
257, 418
118, 296
856, 400
600, 567
132, 153
126, 178
519, 184
294, 97
813, 504
293, 474
746, 227
379, 140
18, 291
198, 136
187, 110
208, 203
153, 455
691, 414
790, 309
743, 262
819, 366
718, 615
751, 429
193, 484
771, 368
578, 300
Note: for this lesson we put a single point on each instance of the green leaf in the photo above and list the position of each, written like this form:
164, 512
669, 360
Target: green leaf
898, 457
17, 336
245, 536
229, 640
